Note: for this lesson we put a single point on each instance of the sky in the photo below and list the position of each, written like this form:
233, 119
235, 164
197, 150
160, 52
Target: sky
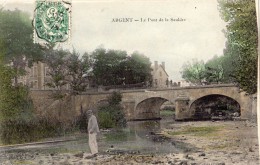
199, 36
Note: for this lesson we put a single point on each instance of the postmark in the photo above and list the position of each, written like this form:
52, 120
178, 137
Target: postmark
52, 21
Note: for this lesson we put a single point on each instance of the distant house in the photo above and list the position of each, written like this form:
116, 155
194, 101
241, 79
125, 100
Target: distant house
181, 83
184, 83
160, 76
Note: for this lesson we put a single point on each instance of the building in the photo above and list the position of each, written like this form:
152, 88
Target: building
160, 76
37, 76
184, 83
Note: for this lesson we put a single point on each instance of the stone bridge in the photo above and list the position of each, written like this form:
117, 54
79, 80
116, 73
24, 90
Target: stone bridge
146, 103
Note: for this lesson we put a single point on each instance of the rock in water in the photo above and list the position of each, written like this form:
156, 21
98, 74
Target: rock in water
202, 154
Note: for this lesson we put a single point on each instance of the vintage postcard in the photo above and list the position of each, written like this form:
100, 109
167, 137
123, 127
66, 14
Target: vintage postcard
129, 82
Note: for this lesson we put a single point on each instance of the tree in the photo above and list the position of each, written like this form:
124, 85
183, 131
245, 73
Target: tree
78, 70
57, 69
194, 72
15, 102
214, 75
115, 67
17, 50
137, 69
214, 70
241, 46
106, 66
66, 68
16, 34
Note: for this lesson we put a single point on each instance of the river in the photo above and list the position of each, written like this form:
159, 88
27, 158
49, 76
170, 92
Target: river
137, 137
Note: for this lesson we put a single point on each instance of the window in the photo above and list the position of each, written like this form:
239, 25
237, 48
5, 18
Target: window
46, 71
155, 82
31, 72
31, 84
35, 73
35, 84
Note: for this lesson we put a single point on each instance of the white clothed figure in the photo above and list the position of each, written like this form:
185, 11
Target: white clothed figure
93, 129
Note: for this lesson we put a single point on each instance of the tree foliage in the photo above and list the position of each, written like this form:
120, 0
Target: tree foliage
194, 72
55, 60
16, 33
15, 102
239, 63
214, 70
107, 68
241, 46
16, 51
112, 115
67, 68
115, 67
137, 69
78, 69
200, 73
227, 64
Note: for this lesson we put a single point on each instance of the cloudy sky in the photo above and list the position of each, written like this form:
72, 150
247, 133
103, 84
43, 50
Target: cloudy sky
174, 42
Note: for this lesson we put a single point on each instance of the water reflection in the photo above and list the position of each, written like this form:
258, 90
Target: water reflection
141, 136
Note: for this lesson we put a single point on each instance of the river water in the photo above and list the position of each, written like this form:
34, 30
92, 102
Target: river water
139, 137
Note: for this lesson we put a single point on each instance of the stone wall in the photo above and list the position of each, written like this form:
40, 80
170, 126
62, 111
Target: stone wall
58, 110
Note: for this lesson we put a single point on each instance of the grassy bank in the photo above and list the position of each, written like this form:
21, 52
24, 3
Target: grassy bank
166, 113
205, 131
215, 136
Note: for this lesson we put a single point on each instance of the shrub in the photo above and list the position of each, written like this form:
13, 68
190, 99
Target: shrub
115, 98
106, 120
112, 115
21, 131
172, 108
81, 121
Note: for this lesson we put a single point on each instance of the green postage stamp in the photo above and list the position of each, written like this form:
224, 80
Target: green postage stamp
52, 21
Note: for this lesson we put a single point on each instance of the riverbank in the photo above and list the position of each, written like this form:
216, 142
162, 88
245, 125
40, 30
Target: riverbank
218, 143
215, 143
226, 142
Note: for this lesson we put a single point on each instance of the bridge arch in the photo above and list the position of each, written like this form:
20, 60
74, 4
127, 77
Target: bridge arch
231, 93
149, 108
213, 105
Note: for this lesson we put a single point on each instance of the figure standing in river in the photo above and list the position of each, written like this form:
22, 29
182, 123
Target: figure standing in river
93, 129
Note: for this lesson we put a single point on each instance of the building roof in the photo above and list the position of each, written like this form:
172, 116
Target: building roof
162, 69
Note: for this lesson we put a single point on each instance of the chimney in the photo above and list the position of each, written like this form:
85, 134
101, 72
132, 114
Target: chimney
163, 65
155, 65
